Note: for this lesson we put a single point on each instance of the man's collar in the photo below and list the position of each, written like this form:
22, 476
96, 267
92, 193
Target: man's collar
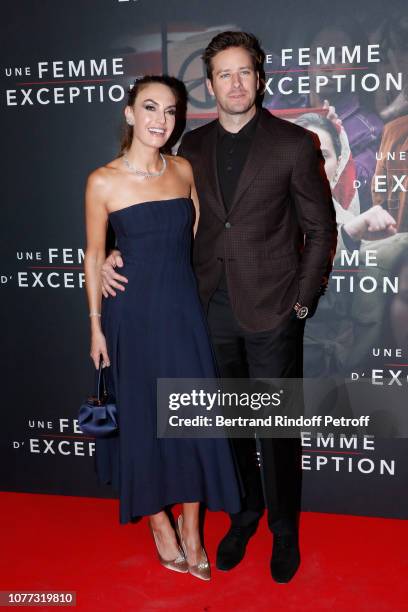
246, 131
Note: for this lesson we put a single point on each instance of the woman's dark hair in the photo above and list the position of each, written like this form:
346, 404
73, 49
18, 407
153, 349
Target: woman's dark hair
225, 40
180, 93
310, 120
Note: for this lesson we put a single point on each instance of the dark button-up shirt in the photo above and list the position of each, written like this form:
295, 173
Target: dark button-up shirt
232, 151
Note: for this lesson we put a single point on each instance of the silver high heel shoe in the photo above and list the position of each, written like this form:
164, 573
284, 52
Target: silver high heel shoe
202, 569
179, 564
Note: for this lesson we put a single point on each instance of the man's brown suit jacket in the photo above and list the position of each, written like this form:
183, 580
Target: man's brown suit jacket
279, 236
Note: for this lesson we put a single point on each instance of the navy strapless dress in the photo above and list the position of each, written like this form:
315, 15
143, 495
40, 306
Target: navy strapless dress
157, 329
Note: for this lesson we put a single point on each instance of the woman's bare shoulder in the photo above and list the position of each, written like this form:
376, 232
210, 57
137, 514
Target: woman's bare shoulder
102, 177
180, 164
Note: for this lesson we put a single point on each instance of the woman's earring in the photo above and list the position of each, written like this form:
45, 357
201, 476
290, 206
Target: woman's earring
129, 122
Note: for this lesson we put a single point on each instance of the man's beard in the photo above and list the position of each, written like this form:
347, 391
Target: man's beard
241, 111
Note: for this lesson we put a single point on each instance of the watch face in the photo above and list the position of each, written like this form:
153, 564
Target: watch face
302, 312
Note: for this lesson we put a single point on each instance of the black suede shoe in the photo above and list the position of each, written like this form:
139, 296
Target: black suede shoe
231, 549
285, 557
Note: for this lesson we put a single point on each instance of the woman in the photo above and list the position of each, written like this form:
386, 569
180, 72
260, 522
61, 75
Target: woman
156, 329
353, 227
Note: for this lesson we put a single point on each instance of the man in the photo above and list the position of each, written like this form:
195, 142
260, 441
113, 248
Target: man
263, 246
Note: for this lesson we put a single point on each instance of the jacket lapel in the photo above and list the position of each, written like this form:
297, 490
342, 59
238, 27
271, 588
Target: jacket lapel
209, 157
257, 156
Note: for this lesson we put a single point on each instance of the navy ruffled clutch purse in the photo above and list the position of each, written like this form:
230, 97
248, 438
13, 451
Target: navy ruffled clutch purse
98, 416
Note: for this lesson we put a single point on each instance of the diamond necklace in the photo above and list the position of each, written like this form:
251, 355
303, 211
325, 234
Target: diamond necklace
143, 172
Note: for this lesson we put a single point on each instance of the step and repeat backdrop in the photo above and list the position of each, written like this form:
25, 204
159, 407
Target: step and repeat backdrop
65, 67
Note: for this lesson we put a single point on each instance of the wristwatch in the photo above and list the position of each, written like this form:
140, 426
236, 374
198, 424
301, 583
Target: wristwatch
301, 311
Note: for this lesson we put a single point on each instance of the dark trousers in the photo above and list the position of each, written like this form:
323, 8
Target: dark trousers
270, 469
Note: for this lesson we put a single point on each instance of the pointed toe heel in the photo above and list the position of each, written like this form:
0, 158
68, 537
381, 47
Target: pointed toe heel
201, 570
179, 564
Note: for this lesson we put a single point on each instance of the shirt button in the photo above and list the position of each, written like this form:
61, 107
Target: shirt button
229, 168
227, 224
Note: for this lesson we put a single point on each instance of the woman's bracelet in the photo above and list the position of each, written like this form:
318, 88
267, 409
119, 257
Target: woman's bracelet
94, 314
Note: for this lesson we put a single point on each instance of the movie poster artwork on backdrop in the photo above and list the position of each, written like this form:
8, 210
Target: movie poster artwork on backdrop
343, 77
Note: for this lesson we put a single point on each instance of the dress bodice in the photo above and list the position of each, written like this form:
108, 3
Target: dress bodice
160, 229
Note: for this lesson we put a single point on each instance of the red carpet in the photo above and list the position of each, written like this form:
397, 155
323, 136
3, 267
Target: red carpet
70, 543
